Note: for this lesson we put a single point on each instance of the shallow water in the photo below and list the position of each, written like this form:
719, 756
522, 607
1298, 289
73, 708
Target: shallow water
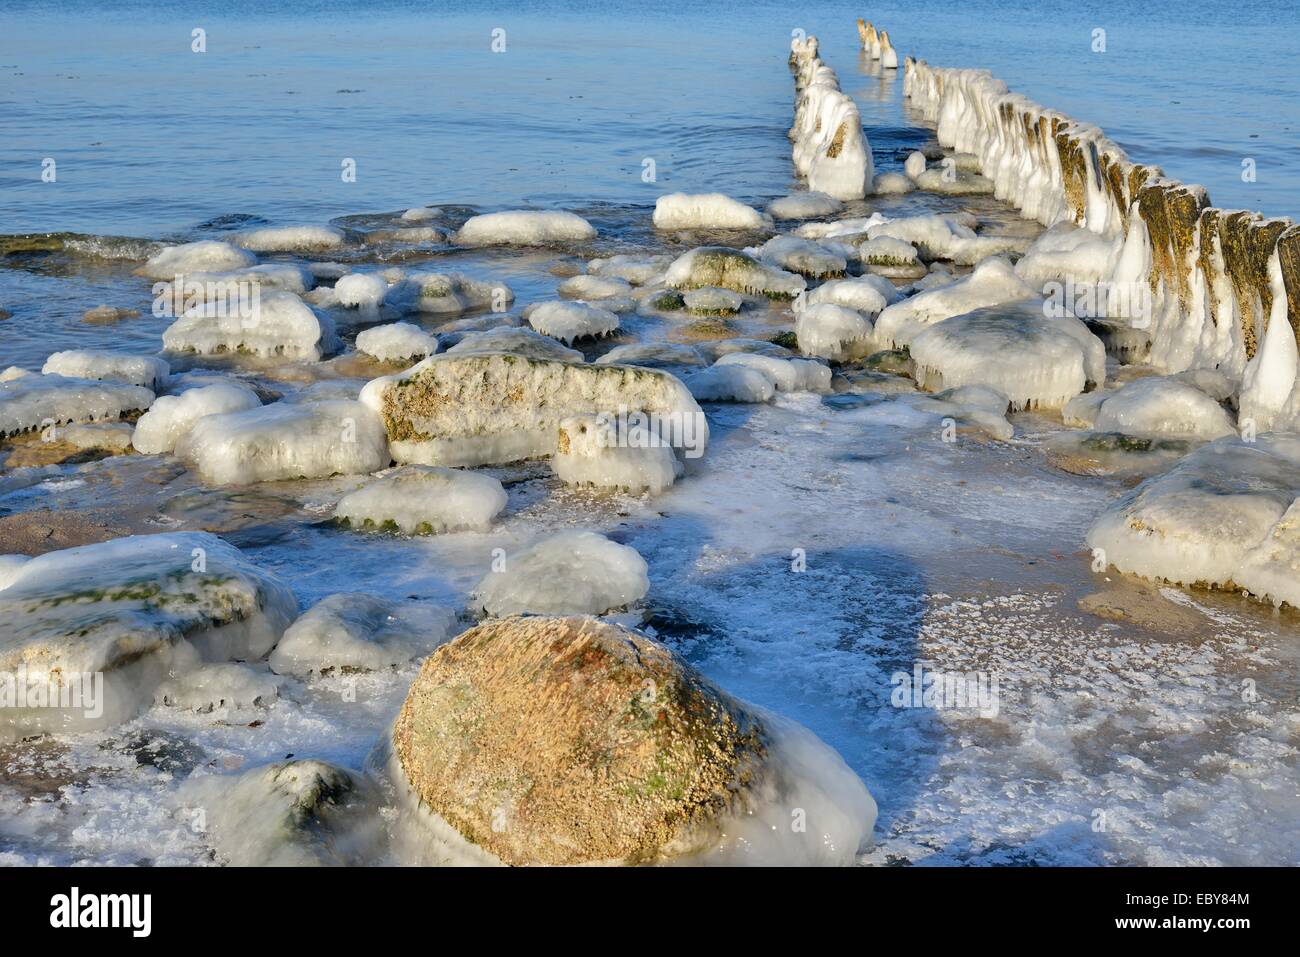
1115, 741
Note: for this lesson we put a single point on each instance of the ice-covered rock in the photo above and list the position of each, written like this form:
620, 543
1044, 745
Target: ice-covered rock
478, 409
1224, 515
9, 566
1067, 253
40, 401
520, 342
291, 239
286, 440
129, 611
654, 355
974, 405
112, 437
568, 321
732, 269
219, 686
1035, 360
1161, 406
207, 256
494, 737
593, 450
361, 290
424, 500
803, 256
947, 237
352, 632
731, 383
569, 573
525, 228
891, 184
148, 371
888, 256
833, 332
712, 301
594, 287
447, 292
865, 294
281, 325
804, 205
171, 417
853, 229
991, 283
396, 341
706, 211
637, 270
788, 375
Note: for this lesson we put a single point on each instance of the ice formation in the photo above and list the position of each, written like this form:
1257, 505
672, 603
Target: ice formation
360, 290
477, 409
525, 228
890, 183
1224, 515
1161, 406
705, 211
40, 401
594, 287
568, 321
833, 332
804, 205
569, 573
946, 237
286, 440
146, 371
424, 500
281, 325
886, 251
352, 632
732, 269
219, 686
992, 282
447, 292
803, 256
396, 341
171, 417
131, 610
654, 355
208, 256
290, 239
865, 294
520, 342
788, 375
712, 301
1034, 360
830, 147
637, 270
731, 383
594, 450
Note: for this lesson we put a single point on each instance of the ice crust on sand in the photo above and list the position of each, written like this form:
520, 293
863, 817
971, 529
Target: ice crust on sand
396, 341
147, 371
1034, 360
525, 228
1162, 406
1224, 515
478, 409
38, 401
282, 325
991, 283
593, 450
133, 609
171, 417
286, 441
568, 321
290, 239
516, 341
207, 256
731, 383
353, 632
804, 205
732, 269
788, 375
706, 211
570, 573
425, 500
833, 332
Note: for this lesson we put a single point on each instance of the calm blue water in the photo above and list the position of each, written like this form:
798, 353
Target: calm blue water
152, 139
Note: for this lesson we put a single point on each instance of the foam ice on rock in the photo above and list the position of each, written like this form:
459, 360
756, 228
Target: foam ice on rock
479, 409
147, 371
1164, 407
991, 283
425, 500
37, 401
207, 256
360, 290
833, 332
804, 205
731, 383
787, 375
282, 325
291, 239
396, 341
516, 341
734, 270
570, 573
593, 451
1035, 360
134, 609
1223, 515
354, 632
525, 228
171, 417
286, 441
803, 256
706, 211
219, 686
568, 321
830, 147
